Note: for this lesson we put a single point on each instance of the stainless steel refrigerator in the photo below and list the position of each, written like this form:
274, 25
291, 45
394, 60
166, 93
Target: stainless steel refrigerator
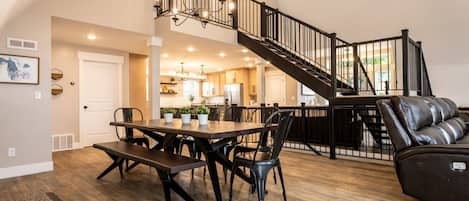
234, 94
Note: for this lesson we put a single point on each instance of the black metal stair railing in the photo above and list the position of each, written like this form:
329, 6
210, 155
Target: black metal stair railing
389, 66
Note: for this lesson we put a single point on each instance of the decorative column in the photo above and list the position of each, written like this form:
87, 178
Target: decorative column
154, 43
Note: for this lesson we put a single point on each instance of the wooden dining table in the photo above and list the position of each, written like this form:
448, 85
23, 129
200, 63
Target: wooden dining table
209, 138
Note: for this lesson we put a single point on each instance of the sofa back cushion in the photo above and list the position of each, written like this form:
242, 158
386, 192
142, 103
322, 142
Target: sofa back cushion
428, 120
413, 112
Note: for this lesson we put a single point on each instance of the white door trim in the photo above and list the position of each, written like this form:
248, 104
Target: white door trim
96, 57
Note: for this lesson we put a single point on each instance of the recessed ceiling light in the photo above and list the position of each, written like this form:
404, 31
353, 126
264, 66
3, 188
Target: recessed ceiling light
190, 49
165, 55
247, 59
220, 69
245, 50
91, 37
221, 54
268, 62
250, 65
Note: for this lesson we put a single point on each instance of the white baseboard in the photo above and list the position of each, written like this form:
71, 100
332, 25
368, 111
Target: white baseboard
22, 170
77, 145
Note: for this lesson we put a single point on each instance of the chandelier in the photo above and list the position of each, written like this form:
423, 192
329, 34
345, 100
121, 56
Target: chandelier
182, 75
202, 10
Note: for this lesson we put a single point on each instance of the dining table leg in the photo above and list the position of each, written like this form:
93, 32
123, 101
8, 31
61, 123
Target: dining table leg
211, 158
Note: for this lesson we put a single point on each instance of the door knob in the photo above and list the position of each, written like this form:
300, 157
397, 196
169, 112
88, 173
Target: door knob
85, 107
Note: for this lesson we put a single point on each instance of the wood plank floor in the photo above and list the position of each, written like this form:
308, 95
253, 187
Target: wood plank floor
308, 178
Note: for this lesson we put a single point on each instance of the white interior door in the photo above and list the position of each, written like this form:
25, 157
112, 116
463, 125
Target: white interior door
275, 85
100, 95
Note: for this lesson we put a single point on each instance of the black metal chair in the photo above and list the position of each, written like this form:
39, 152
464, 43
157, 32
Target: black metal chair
266, 156
194, 151
128, 116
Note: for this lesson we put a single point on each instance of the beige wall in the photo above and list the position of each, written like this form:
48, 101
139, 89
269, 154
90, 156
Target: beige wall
27, 124
137, 84
442, 26
65, 107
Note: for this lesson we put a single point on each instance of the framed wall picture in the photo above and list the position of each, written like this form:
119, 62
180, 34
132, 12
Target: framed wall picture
15, 69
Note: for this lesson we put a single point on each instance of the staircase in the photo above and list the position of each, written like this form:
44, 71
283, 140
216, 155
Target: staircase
349, 75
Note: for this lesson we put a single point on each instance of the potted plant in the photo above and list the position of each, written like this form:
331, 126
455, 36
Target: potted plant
202, 112
168, 114
186, 113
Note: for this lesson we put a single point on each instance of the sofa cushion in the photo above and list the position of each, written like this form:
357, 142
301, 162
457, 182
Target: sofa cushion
413, 112
433, 135
453, 128
462, 123
452, 105
435, 109
445, 109
463, 140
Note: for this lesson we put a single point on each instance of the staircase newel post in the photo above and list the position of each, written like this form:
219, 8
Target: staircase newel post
420, 78
405, 61
333, 94
234, 14
263, 20
355, 68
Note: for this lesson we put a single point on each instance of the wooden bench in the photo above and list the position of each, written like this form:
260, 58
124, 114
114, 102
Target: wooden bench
167, 165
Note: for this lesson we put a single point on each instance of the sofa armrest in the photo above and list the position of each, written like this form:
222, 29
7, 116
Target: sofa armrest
434, 172
446, 149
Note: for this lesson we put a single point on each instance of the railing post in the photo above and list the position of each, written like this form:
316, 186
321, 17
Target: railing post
262, 112
405, 61
420, 79
331, 114
303, 118
263, 20
355, 69
277, 24
234, 14
333, 37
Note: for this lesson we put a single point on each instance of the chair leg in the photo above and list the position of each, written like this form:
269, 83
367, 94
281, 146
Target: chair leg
225, 170
192, 154
235, 166
260, 176
280, 174
275, 176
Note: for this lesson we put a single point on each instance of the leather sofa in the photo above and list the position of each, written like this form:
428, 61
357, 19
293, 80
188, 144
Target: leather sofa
431, 147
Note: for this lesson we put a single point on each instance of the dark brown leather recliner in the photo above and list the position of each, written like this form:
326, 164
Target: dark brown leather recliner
431, 147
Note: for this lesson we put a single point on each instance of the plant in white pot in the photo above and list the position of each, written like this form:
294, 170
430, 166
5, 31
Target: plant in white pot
168, 114
186, 113
202, 112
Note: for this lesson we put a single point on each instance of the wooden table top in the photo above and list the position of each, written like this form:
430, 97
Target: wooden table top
214, 129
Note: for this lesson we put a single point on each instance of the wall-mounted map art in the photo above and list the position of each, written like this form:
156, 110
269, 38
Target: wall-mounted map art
19, 69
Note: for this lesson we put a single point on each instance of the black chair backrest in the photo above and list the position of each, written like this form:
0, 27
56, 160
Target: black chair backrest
284, 119
233, 113
127, 116
214, 114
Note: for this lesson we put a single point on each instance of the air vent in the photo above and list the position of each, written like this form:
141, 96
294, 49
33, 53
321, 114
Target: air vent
62, 142
16, 43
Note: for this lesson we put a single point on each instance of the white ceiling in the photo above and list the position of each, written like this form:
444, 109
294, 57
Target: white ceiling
206, 52
74, 32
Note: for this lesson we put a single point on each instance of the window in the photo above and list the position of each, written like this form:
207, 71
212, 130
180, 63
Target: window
381, 77
190, 88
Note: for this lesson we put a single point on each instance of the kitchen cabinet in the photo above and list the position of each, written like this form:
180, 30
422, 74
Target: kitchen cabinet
213, 86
